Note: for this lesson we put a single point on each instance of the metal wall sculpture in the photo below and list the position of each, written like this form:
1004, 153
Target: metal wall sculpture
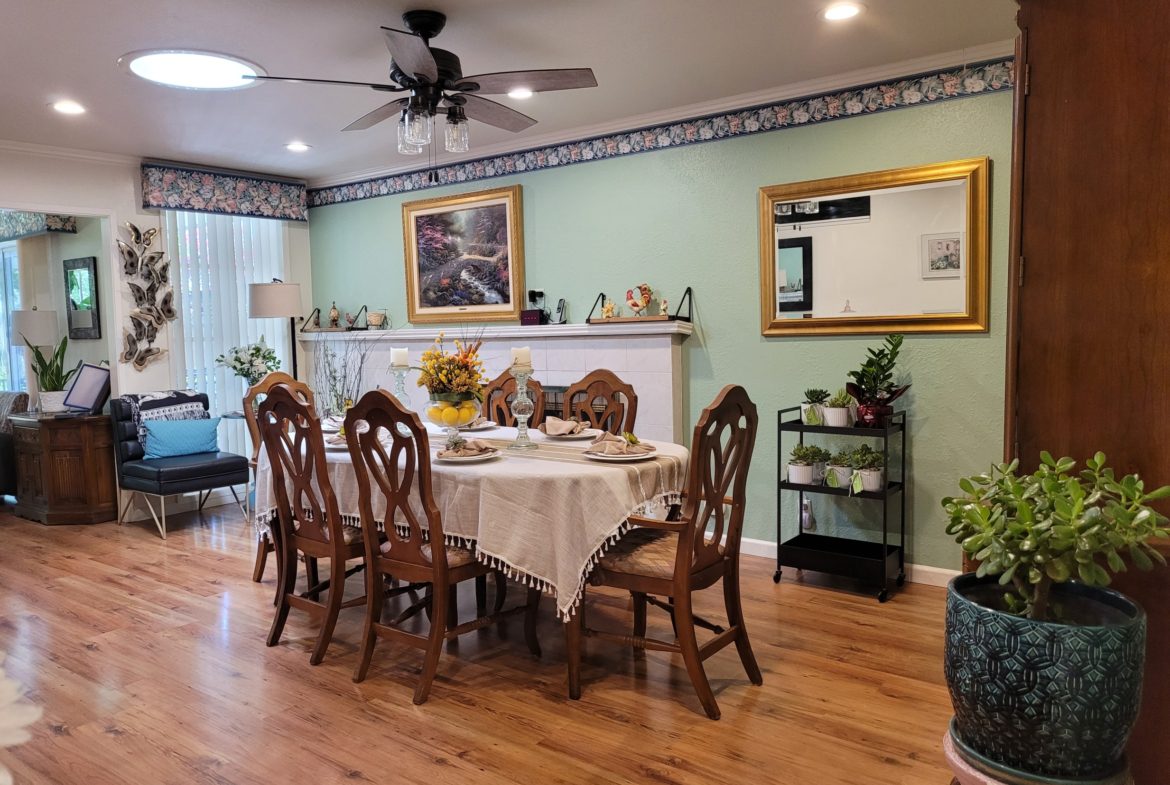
154, 299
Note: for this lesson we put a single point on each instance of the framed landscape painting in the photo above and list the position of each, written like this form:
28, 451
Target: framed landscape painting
464, 257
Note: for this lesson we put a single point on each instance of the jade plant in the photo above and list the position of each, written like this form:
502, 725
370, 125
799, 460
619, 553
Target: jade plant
806, 455
866, 457
51, 374
1053, 526
873, 383
841, 458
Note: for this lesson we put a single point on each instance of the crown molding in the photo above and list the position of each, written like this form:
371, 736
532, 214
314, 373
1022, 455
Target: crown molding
785, 92
67, 153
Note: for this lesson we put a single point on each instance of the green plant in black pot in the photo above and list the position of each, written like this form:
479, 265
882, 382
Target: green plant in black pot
1044, 664
873, 383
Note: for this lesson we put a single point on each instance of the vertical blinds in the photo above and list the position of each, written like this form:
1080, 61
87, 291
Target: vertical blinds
217, 256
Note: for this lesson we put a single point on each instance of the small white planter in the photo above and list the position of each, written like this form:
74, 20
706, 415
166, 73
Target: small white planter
843, 475
812, 414
819, 472
873, 479
800, 475
53, 401
838, 417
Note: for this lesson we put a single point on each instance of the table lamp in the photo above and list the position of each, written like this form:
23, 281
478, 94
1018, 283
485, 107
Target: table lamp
39, 327
274, 300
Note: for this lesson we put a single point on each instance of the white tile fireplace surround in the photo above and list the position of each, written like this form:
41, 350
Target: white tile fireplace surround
646, 355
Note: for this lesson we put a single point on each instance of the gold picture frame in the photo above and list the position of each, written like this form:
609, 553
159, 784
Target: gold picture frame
464, 257
973, 173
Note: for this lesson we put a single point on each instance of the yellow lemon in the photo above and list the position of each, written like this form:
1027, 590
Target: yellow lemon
470, 405
466, 415
451, 416
446, 405
435, 413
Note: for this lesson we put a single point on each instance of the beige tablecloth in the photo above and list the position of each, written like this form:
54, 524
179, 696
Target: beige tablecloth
543, 516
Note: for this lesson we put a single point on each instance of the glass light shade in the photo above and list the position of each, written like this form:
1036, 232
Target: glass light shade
405, 147
417, 129
456, 139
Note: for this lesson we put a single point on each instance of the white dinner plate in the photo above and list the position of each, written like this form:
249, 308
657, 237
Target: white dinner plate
487, 425
645, 456
588, 433
342, 447
487, 456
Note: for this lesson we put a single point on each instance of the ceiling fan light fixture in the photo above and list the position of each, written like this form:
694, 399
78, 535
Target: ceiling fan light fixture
405, 147
456, 138
417, 123
520, 93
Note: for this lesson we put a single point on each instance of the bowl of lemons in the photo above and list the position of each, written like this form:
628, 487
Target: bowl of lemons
452, 410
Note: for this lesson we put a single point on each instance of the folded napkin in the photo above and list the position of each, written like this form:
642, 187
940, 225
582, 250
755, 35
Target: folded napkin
478, 421
466, 449
555, 426
608, 444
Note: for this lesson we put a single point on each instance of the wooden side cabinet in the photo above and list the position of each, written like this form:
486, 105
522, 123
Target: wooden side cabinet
65, 469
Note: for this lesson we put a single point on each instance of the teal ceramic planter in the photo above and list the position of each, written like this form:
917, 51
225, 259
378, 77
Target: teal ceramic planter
1048, 699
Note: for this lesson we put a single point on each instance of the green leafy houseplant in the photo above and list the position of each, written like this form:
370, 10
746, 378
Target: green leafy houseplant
873, 382
51, 374
805, 455
815, 395
841, 458
1054, 526
866, 457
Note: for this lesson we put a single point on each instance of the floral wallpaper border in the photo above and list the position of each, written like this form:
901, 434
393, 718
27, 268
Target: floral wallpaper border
15, 224
168, 187
931, 87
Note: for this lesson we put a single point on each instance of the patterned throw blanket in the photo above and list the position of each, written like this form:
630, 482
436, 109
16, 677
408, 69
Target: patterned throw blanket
165, 405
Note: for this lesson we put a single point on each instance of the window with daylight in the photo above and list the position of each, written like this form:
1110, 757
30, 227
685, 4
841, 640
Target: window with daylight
12, 370
216, 257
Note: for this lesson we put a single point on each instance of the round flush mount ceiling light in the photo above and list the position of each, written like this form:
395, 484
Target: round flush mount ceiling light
191, 70
297, 147
520, 92
67, 106
839, 12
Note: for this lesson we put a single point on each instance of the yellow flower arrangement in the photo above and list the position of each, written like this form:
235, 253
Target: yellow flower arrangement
444, 372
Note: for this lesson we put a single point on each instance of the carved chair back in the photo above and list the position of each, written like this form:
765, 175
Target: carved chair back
498, 395
261, 388
604, 401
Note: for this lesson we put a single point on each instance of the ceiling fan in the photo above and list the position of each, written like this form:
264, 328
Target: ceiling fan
434, 81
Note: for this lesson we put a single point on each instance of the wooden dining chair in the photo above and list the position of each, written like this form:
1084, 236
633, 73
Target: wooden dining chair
307, 516
392, 459
604, 400
264, 544
695, 545
497, 400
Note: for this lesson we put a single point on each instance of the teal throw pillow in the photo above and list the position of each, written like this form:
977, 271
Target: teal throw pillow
170, 438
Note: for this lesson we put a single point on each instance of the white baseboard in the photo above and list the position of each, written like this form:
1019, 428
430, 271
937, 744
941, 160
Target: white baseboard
915, 573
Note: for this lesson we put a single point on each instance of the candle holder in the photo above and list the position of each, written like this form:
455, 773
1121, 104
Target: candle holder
522, 408
400, 385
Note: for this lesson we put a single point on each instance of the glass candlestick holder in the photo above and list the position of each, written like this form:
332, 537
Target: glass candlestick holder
400, 386
522, 408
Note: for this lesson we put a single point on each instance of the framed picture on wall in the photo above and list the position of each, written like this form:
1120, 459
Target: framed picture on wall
464, 257
943, 255
794, 274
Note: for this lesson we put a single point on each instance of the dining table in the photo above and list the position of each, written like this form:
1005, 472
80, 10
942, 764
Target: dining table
543, 516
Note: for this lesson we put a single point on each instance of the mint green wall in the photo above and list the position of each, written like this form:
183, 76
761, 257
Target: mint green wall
687, 216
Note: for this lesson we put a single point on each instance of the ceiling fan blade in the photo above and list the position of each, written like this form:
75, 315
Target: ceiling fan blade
495, 114
537, 81
370, 119
389, 88
411, 54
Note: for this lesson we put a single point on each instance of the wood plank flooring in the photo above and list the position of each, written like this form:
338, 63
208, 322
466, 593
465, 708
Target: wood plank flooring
149, 660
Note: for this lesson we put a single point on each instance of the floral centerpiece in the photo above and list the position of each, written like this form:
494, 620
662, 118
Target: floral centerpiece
454, 381
252, 361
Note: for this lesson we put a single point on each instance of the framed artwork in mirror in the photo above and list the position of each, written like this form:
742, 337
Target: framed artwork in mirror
81, 298
900, 250
464, 257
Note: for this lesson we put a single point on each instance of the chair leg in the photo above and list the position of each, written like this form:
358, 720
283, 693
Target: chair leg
311, 575
204, 496
375, 596
262, 546
690, 654
278, 553
735, 620
332, 609
439, 595
639, 599
160, 519
126, 506
241, 504
501, 592
573, 645
480, 595
287, 585
530, 621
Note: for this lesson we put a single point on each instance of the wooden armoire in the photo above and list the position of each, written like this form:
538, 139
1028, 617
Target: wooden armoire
1089, 310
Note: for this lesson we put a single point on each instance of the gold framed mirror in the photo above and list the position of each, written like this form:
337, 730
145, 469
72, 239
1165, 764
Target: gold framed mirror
901, 250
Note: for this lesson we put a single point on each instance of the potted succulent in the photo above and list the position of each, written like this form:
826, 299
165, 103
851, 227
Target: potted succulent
811, 408
873, 383
52, 378
838, 410
840, 469
1044, 664
820, 457
801, 464
869, 472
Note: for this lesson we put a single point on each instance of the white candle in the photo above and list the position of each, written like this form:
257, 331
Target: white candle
522, 356
398, 358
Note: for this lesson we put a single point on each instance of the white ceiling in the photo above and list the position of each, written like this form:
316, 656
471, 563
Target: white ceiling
651, 58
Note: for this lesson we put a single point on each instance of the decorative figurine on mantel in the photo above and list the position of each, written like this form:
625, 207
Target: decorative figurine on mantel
639, 298
607, 310
334, 315
377, 319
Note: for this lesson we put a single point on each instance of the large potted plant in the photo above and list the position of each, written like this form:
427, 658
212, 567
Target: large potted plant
873, 383
52, 378
1044, 664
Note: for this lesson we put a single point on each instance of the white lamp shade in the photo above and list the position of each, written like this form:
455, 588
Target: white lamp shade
39, 327
266, 300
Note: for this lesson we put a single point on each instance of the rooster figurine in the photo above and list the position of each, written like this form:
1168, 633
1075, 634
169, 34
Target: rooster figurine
639, 301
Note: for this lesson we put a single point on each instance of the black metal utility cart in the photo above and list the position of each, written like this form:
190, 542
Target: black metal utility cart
872, 562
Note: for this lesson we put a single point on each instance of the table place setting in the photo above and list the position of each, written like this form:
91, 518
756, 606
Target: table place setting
460, 450
619, 449
567, 430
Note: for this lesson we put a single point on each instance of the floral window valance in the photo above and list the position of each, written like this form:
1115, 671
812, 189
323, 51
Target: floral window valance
175, 187
19, 223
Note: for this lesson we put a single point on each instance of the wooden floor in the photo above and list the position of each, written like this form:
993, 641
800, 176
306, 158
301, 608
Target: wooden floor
149, 660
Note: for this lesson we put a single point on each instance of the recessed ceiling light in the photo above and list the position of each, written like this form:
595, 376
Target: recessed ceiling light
520, 92
839, 12
191, 69
297, 147
67, 106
